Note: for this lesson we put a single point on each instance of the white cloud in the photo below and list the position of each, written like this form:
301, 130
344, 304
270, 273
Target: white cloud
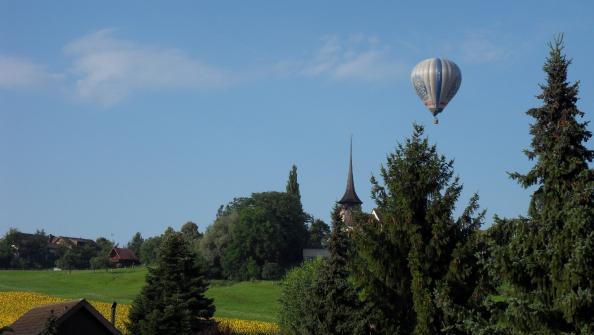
325, 59
16, 73
107, 69
356, 58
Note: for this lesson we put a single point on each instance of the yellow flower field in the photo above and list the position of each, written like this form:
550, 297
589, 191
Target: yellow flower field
250, 327
15, 304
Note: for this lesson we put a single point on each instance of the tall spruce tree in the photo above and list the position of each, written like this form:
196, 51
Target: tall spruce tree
172, 300
335, 307
549, 261
417, 263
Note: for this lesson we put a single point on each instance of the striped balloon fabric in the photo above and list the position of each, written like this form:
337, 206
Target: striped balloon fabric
436, 81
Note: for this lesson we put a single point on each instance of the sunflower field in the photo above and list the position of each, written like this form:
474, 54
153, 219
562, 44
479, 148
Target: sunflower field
15, 304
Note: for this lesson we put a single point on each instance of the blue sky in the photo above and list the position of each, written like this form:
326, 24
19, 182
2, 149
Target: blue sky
117, 117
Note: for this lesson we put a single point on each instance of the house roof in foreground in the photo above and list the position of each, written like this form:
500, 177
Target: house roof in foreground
33, 322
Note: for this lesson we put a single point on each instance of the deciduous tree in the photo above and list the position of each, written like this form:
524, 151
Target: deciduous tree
135, 244
295, 298
319, 233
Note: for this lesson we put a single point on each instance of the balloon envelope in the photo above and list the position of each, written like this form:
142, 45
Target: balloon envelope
436, 81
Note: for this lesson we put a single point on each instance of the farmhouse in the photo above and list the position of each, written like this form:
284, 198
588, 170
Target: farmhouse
70, 318
70, 242
122, 257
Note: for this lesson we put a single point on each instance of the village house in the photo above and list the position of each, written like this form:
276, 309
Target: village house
70, 318
122, 257
70, 242
23, 241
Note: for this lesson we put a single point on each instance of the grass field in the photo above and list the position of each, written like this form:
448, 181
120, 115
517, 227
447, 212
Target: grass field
246, 300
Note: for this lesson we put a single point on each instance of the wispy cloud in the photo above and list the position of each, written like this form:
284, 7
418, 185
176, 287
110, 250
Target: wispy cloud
19, 73
355, 58
107, 69
482, 48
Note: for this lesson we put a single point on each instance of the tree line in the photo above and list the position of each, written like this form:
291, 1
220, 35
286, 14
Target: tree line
34, 251
256, 237
421, 270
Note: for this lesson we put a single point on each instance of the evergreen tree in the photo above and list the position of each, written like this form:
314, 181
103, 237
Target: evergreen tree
335, 307
172, 300
416, 269
549, 261
292, 184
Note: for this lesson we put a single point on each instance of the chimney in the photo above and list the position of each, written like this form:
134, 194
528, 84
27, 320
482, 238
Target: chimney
113, 312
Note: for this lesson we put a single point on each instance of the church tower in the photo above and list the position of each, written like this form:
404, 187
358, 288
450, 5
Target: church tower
350, 198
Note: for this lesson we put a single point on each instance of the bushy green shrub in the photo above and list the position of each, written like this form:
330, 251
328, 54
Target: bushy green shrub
297, 285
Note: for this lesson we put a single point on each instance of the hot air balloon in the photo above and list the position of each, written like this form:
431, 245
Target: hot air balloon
436, 81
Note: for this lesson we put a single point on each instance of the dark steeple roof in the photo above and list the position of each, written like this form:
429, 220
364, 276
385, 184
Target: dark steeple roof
350, 197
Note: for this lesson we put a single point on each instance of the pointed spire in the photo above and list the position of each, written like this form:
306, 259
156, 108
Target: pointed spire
350, 198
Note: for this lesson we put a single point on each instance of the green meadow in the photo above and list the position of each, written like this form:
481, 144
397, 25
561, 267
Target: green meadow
257, 300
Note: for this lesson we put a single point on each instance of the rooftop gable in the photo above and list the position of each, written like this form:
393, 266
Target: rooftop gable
33, 322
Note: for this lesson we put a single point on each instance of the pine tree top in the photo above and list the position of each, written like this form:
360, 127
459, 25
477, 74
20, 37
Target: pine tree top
543, 261
558, 137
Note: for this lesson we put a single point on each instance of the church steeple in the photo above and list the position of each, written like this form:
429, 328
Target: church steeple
350, 198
